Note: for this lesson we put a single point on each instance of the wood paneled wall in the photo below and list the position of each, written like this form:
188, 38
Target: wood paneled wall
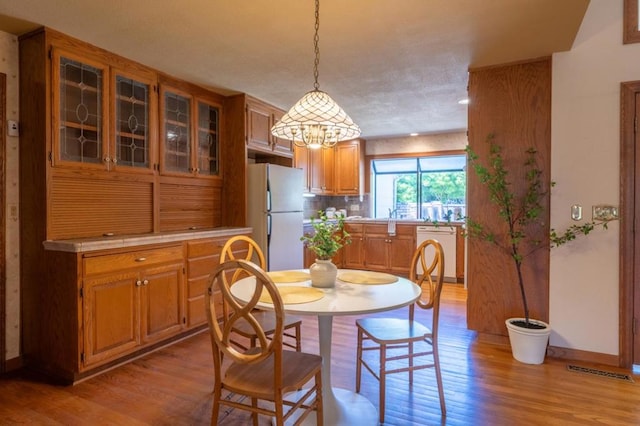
513, 102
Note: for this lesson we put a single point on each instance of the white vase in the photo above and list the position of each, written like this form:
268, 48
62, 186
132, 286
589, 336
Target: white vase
528, 345
323, 273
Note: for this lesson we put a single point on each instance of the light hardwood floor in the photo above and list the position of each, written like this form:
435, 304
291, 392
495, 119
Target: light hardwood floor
483, 385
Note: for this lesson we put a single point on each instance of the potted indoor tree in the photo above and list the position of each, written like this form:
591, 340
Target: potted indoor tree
328, 237
521, 213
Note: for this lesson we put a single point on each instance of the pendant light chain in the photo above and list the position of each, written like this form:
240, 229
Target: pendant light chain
316, 40
316, 120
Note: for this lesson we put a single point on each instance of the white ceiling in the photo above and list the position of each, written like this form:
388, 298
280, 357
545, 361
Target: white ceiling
395, 66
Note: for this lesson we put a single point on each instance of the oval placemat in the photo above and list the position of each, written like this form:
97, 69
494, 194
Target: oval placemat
294, 294
289, 276
367, 277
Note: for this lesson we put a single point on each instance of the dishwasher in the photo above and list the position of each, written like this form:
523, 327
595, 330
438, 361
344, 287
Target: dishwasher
446, 236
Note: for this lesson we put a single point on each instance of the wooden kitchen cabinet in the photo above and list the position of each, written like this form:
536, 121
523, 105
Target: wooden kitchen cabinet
353, 254
190, 136
105, 117
129, 300
260, 118
321, 171
387, 253
301, 161
333, 171
202, 258
349, 167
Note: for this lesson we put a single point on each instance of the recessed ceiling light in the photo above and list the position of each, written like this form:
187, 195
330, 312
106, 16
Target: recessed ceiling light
413, 134
464, 101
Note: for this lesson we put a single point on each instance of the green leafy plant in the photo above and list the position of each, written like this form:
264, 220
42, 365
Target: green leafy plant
521, 212
329, 236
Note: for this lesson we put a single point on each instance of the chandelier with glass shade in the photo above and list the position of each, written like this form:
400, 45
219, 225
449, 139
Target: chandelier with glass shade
316, 120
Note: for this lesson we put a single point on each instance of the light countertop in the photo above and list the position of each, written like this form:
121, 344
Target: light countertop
120, 241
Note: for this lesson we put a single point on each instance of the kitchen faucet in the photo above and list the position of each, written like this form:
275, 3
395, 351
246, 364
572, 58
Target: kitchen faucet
393, 213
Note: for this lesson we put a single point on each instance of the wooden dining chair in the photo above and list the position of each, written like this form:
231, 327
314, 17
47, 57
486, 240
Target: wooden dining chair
250, 251
406, 340
264, 372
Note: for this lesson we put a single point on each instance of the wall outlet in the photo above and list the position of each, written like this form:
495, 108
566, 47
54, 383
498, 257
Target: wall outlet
604, 212
354, 207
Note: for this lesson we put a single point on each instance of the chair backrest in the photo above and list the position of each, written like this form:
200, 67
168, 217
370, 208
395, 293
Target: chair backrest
430, 256
245, 248
238, 311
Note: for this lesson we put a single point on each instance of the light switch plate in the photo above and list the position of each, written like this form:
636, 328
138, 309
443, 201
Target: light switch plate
604, 212
576, 212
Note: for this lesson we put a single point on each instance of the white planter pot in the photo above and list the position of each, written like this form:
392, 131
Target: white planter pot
528, 345
323, 273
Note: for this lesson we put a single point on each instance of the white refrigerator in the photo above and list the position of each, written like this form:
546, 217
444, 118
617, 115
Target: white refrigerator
275, 205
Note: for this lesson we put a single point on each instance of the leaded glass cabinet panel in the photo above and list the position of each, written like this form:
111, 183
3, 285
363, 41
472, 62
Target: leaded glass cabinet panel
132, 123
80, 133
176, 133
208, 139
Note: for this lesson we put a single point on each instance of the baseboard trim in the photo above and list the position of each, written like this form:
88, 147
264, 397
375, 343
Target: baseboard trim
13, 364
584, 356
566, 354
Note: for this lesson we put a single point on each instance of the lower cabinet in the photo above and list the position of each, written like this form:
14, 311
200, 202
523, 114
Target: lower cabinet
103, 306
202, 257
373, 249
389, 253
137, 301
353, 254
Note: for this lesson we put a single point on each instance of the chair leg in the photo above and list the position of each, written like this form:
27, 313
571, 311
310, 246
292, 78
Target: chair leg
436, 362
359, 361
319, 403
410, 364
383, 378
298, 338
254, 414
215, 411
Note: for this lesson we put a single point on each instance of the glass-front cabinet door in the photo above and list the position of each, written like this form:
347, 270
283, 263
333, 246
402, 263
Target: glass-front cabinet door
176, 132
104, 118
133, 123
208, 143
80, 107
190, 140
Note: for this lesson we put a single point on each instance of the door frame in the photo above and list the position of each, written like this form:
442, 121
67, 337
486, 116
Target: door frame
629, 294
3, 223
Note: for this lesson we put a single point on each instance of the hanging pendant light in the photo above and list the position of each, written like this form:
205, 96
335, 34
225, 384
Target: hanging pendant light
316, 121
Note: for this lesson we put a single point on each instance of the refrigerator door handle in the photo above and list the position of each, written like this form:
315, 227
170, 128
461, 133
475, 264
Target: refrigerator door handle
268, 229
268, 195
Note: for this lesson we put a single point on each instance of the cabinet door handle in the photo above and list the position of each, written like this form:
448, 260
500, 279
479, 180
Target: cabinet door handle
106, 159
114, 160
145, 282
138, 283
141, 259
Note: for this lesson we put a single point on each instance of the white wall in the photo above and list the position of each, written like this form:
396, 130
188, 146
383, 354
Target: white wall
585, 165
9, 66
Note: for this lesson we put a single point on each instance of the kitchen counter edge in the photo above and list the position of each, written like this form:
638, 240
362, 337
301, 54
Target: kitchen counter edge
113, 242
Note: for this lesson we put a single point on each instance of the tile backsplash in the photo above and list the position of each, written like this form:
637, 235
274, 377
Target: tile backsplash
351, 203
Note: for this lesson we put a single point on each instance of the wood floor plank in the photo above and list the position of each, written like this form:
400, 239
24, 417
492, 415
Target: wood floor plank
483, 385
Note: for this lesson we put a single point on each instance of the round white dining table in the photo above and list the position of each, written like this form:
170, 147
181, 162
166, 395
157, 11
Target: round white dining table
341, 406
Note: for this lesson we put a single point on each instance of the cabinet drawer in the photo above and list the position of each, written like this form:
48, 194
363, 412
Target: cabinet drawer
205, 247
133, 259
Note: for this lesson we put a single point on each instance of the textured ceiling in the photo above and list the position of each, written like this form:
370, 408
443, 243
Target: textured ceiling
395, 66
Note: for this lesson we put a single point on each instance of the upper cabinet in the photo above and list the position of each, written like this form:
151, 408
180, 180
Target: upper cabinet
333, 171
133, 113
253, 120
190, 141
103, 116
321, 168
349, 167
